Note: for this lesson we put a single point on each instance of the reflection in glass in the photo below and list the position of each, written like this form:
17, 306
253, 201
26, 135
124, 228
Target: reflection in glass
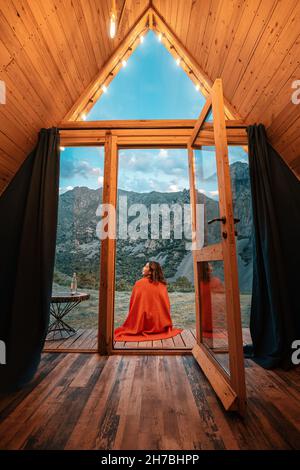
213, 308
207, 194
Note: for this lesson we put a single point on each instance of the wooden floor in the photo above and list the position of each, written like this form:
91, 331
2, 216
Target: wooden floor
82, 339
86, 339
82, 401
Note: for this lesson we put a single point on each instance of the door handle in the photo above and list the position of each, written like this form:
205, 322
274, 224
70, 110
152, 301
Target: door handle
236, 221
223, 220
217, 219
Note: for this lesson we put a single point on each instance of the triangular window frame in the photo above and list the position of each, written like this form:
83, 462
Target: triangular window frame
149, 20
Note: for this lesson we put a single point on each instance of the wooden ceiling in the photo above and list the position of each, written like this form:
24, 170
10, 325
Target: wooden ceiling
52, 50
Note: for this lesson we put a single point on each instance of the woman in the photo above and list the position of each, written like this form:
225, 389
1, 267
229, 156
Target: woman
149, 309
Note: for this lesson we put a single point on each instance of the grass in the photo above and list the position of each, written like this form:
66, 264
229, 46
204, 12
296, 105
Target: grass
182, 309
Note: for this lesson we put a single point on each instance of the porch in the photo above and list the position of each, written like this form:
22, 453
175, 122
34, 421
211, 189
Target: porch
86, 340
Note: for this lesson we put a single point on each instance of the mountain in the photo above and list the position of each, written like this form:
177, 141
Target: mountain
78, 247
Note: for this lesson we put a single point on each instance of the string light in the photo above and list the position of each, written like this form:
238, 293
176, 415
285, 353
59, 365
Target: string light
197, 87
113, 21
112, 27
104, 88
160, 37
142, 39
83, 116
178, 60
124, 63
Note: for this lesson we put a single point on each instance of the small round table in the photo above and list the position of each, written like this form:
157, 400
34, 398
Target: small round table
61, 305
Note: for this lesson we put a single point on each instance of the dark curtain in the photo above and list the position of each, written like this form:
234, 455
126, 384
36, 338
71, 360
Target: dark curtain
28, 214
275, 309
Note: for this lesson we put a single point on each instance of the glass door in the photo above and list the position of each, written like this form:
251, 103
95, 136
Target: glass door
219, 348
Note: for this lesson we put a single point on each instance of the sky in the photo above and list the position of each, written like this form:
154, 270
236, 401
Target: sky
151, 86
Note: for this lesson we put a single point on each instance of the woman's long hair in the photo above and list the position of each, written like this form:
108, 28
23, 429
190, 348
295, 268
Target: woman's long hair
206, 272
156, 273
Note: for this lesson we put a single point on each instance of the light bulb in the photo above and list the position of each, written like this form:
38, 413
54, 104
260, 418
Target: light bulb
83, 116
61, 149
124, 63
142, 39
178, 61
160, 37
197, 87
112, 26
104, 88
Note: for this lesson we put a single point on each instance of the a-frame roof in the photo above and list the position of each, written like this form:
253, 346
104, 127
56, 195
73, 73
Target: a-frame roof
55, 55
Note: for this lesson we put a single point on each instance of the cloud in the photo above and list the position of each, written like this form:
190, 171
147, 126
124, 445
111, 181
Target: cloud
71, 168
160, 162
163, 153
173, 188
146, 183
64, 189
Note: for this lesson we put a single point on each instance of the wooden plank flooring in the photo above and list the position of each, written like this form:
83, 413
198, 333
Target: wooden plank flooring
81, 401
83, 339
86, 339
184, 340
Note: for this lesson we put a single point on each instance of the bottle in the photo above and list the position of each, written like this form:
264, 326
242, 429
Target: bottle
74, 284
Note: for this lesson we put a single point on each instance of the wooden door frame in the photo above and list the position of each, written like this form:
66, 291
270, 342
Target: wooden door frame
115, 135
230, 389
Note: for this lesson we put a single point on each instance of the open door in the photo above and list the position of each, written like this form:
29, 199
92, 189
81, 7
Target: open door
219, 348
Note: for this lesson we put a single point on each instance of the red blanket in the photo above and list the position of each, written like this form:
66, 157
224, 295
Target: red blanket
149, 315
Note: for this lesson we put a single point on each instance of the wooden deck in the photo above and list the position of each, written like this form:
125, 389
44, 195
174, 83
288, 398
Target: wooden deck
83, 401
184, 340
86, 339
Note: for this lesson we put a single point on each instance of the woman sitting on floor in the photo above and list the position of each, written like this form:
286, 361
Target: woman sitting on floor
149, 316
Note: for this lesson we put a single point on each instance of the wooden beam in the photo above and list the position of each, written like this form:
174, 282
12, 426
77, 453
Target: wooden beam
109, 70
151, 19
144, 137
210, 253
108, 250
200, 121
147, 124
130, 124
